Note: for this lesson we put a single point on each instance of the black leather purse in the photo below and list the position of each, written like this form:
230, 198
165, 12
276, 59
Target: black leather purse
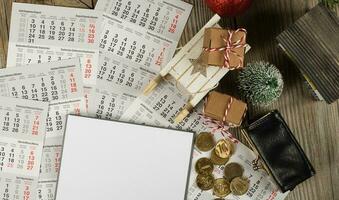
278, 151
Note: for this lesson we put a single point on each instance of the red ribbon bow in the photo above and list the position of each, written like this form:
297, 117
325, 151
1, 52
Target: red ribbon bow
216, 125
230, 47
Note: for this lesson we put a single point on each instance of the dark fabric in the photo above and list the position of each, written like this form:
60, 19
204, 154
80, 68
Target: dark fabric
280, 151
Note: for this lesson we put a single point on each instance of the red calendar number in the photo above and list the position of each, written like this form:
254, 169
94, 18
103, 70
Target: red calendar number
27, 193
91, 33
77, 110
88, 68
35, 126
273, 195
160, 58
31, 160
173, 26
73, 84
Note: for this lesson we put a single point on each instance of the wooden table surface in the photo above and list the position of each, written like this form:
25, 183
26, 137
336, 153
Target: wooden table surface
315, 124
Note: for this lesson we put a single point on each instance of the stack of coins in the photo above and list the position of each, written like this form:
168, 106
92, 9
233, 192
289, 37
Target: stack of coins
221, 151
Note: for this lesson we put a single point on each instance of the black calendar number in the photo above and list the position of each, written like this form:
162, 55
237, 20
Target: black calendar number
101, 107
122, 47
71, 33
116, 8
42, 30
135, 14
145, 16
24, 92
52, 31
14, 92
113, 43
102, 70
6, 195
62, 28
111, 73
130, 80
140, 54
103, 41
58, 121
121, 76
16, 123
131, 50
154, 20
126, 10
160, 103
34, 92
5, 124
49, 124
2, 157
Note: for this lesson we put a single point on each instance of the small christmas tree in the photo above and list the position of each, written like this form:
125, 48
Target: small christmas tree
260, 83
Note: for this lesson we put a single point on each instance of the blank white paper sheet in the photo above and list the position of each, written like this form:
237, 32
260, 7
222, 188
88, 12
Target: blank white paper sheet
110, 160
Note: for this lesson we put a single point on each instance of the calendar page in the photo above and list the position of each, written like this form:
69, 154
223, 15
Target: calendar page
166, 19
22, 133
41, 33
56, 82
49, 170
160, 109
106, 102
59, 83
132, 52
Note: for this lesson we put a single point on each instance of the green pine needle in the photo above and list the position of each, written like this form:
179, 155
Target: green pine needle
330, 2
260, 83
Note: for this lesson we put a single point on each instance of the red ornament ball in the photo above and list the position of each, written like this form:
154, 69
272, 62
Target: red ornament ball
228, 7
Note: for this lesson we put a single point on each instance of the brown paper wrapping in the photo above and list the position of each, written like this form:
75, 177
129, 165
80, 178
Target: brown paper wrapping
216, 105
213, 38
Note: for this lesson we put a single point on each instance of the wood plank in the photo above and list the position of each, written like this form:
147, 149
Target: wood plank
314, 124
5, 13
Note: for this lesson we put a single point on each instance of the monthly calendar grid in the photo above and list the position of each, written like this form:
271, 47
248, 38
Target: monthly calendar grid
22, 135
132, 50
46, 34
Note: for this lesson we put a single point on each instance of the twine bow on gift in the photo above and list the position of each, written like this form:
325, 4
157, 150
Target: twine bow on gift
216, 125
230, 47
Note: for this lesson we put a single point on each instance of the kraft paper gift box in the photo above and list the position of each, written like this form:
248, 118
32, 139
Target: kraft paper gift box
214, 38
216, 105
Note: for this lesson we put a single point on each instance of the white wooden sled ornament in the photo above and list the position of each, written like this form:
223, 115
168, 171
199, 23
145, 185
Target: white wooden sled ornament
181, 68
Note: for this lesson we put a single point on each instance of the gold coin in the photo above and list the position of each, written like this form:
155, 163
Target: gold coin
205, 182
233, 170
205, 141
239, 186
221, 187
204, 166
224, 148
217, 160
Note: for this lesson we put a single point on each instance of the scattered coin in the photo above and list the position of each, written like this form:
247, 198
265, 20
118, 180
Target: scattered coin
239, 186
224, 148
204, 166
217, 160
205, 141
233, 170
205, 182
221, 187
